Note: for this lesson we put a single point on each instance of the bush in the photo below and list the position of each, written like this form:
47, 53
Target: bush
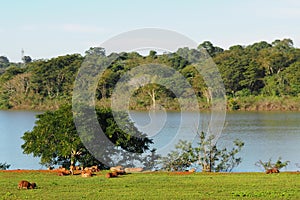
4, 166
206, 155
270, 165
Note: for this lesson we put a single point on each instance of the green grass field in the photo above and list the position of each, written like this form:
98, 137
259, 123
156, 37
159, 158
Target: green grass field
158, 185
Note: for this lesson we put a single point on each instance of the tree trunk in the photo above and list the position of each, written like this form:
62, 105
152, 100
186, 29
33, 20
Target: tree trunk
152, 95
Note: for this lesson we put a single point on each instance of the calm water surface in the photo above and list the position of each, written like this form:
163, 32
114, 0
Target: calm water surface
13, 124
266, 135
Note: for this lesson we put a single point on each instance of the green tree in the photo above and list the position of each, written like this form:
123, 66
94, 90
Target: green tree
97, 51
210, 48
153, 54
26, 59
53, 79
55, 140
4, 62
291, 76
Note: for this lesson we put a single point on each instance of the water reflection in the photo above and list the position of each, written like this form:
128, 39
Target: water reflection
266, 135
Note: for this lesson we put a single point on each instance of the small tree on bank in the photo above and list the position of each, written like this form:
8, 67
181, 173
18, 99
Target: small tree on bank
205, 154
279, 164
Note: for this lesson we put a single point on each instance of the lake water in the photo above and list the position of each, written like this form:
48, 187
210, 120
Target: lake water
266, 135
13, 124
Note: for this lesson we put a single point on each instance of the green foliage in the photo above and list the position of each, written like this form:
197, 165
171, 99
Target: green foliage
206, 155
270, 165
26, 59
211, 158
4, 166
259, 69
181, 159
4, 62
292, 79
233, 104
210, 48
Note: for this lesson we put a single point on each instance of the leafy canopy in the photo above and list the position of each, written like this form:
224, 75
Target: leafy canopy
55, 140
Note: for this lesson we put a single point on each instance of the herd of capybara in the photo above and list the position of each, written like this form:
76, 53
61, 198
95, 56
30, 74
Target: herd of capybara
84, 172
89, 172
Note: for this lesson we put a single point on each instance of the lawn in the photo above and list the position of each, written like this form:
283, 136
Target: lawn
155, 185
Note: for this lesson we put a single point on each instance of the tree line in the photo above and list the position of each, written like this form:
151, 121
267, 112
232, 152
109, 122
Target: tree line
260, 71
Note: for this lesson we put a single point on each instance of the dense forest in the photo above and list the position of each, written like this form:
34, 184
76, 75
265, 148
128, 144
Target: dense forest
261, 76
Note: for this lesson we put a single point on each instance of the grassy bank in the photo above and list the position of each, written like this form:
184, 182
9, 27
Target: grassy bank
157, 185
244, 103
262, 103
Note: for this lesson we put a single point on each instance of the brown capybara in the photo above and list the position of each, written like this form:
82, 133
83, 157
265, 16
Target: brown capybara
119, 169
32, 185
63, 173
192, 170
111, 175
26, 185
87, 173
271, 171
130, 170
275, 170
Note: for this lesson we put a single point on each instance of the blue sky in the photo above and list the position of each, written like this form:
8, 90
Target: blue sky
46, 29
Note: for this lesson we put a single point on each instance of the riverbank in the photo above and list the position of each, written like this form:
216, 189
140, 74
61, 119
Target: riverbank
249, 103
154, 185
261, 103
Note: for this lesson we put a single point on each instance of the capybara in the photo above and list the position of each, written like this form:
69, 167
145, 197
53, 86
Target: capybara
111, 175
87, 173
275, 170
119, 169
26, 185
192, 170
63, 172
32, 185
130, 170
271, 171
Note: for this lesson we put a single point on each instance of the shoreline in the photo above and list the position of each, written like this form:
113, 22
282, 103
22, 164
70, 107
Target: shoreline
244, 104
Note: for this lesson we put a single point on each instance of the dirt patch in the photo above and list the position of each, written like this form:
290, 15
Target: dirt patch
28, 171
180, 173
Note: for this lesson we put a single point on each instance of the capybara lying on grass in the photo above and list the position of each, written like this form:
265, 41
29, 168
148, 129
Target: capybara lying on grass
130, 170
26, 185
119, 169
64, 172
271, 171
111, 175
87, 173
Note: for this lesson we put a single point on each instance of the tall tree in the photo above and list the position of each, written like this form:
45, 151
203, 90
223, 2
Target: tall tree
55, 140
26, 59
210, 48
3, 61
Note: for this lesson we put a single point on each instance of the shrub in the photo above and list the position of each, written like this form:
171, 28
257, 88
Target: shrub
4, 166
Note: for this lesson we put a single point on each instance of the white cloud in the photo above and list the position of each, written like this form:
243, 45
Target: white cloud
288, 9
29, 27
80, 28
